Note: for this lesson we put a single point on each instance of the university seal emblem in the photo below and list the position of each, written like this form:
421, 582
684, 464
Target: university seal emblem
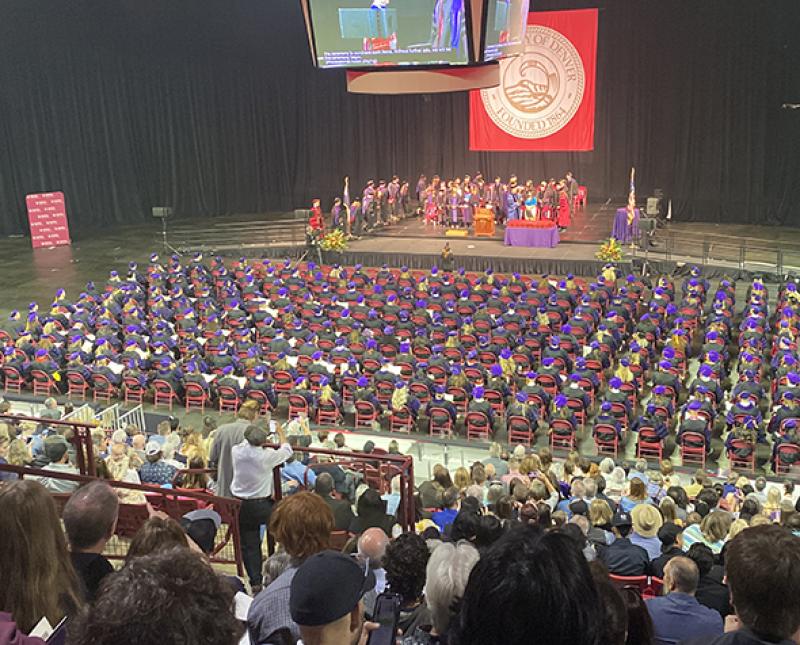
541, 89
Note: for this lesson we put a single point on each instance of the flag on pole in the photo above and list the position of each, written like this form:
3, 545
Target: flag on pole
632, 189
632, 197
346, 193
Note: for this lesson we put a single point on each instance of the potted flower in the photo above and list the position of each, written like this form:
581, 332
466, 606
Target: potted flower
610, 251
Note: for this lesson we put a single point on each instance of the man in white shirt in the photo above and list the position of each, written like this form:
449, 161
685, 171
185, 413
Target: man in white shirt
253, 484
225, 437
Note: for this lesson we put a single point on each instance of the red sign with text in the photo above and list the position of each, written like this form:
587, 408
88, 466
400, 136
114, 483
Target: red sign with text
47, 215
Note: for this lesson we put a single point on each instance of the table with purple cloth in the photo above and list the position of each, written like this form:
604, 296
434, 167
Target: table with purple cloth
622, 232
543, 237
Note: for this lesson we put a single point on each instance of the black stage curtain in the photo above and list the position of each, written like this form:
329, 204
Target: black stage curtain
213, 107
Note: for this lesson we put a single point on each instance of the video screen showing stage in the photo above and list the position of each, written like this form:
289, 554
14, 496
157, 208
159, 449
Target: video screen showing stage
506, 21
370, 33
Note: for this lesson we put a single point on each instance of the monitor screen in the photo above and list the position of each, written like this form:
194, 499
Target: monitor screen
505, 22
371, 33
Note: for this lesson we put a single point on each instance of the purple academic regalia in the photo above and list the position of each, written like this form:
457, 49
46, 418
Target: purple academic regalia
369, 197
512, 207
452, 207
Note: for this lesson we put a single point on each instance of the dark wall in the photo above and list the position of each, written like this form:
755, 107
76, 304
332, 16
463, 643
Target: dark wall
212, 106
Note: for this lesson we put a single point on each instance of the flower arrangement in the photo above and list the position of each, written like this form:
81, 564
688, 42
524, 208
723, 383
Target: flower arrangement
334, 240
610, 251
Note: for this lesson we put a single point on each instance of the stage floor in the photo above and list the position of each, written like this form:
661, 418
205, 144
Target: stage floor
35, 275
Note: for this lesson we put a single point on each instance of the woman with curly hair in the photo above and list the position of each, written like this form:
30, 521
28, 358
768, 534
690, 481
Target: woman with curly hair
185, 601
405, 563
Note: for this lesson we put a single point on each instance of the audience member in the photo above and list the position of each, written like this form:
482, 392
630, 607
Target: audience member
56, 450
252, 483
447, 573
622, 557
640, 625
342, 511
670, 536
302, 525
677, 615
405, 564
371, 512
326, 599
90, 518
762, 568
155, 535
226, 437
169, 596
528, 568
711, 590
38, 577
646, 523
371, 545
156, 470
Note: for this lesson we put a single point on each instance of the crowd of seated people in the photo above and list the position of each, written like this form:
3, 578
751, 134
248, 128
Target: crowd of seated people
661, 364
512, 532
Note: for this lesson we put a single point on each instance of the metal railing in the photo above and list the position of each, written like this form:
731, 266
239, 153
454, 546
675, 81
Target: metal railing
742, 254
133, 417
378, 470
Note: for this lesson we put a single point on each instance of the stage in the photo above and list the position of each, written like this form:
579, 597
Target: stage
731, 249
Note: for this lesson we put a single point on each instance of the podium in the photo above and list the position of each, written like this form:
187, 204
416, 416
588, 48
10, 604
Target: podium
484, 222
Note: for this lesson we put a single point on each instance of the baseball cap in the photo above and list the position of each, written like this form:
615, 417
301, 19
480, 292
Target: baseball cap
152, 448
621, 518
327, 586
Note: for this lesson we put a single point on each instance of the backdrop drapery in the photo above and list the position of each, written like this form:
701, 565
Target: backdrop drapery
213, 107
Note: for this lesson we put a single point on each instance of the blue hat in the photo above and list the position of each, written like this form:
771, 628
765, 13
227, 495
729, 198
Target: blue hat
660, 389
456, 369
606, 406
560, 401
316, 356
665, 365
669, 352
695, 405
228, 369
324, 381
477, 392
399, 384
299, 380
705, 370
496, 370
615, 382
790, 423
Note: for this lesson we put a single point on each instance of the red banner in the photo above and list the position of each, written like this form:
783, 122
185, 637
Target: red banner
545, 100
47, 215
